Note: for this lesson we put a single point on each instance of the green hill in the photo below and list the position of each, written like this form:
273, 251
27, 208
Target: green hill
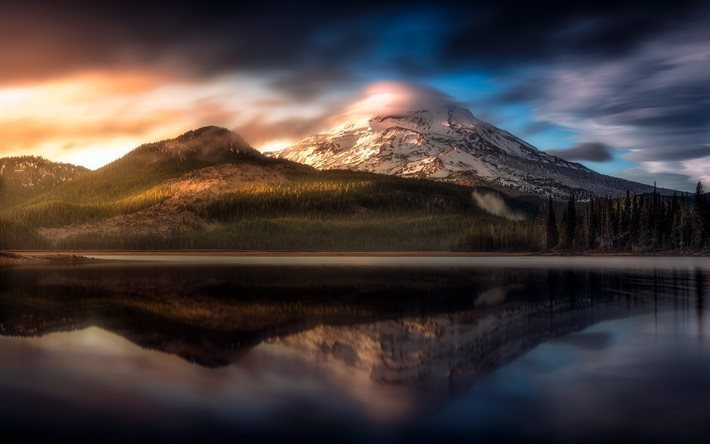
25, 177
153, 163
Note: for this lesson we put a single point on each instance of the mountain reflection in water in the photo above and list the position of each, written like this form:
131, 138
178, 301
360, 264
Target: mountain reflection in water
187, 352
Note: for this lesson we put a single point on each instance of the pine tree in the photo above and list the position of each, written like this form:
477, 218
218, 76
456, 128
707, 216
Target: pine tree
699, 219
570, 223
551, 233
634, 222
686, 227
591, 227
644, 223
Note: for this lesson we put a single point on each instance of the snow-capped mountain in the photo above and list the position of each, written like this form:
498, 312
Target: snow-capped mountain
448, 143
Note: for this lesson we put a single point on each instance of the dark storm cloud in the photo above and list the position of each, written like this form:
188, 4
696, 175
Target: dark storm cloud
591, 151
510, 32
196, 39
49, 38
655, 101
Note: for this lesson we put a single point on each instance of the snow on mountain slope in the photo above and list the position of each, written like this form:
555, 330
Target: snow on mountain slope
448, 143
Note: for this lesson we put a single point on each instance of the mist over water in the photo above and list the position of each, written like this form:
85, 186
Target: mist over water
391, 350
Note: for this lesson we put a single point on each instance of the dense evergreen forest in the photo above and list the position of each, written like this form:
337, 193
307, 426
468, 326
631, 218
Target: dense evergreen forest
349, 211
638, 224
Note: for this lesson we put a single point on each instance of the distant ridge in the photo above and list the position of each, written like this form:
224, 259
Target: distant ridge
23, 177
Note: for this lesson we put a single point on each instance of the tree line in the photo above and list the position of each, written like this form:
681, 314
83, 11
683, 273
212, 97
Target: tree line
343, 211
645, 223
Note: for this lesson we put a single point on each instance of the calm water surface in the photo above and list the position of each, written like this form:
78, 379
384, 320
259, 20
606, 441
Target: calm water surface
357, 349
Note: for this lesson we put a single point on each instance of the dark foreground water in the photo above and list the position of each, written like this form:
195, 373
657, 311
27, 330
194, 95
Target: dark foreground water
357, 350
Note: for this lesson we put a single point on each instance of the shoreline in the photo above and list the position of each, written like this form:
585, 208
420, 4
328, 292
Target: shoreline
79, 255
43, 258
393, 260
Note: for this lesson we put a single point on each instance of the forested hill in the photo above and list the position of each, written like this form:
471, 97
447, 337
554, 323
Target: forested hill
153, 163
209, 189
25, 177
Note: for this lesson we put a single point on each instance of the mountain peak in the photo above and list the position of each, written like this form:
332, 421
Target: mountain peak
440, 110
212, 133
198, 148
206, 131
438, 119
212, 144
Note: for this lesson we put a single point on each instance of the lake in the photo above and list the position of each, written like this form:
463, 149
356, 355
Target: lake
356, 349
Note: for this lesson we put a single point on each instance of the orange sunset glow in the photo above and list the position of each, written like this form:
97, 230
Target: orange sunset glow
92, 118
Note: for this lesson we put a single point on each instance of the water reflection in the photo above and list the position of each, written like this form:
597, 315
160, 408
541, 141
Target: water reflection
191, 351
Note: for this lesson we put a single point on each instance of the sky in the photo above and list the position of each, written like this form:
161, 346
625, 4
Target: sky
623, 87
